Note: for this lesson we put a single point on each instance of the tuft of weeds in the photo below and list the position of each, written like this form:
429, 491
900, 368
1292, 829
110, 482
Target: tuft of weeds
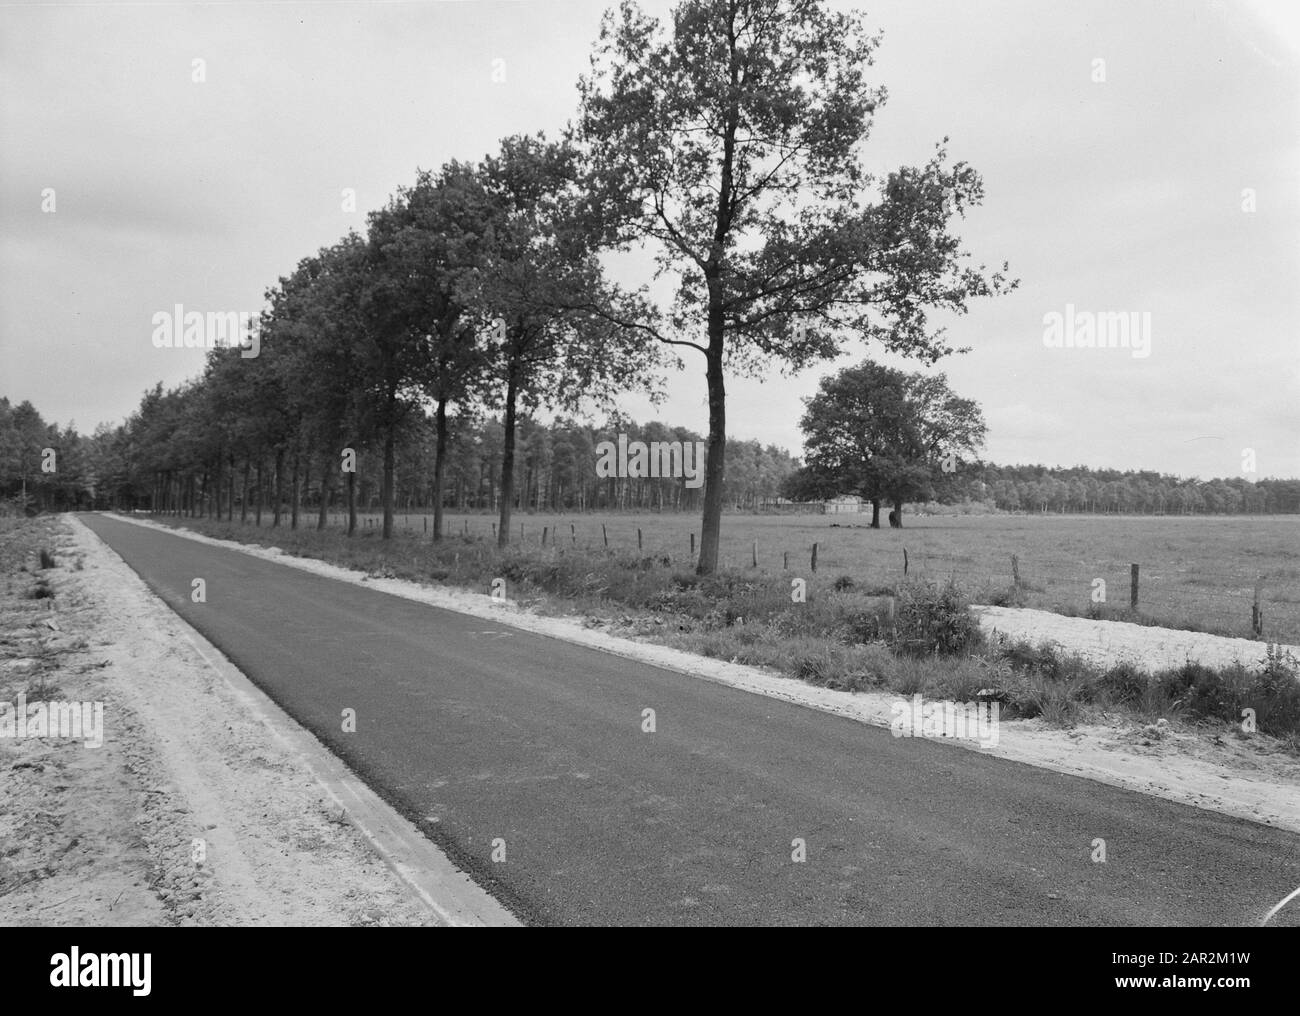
933, 618
1124, 684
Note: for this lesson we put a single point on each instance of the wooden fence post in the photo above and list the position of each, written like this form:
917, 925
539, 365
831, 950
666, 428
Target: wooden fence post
785, 560
1256, 611
814, 557
574, 533
904, 560
754, 557
692, 544
1015, 570
1133, 587
545, 530
605, 533
638, 538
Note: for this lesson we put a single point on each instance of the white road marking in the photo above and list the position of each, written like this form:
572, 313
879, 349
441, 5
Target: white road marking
1273, 913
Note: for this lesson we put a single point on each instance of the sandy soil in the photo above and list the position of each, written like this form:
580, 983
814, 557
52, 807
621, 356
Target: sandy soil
1106, 643
1225, 770
189, 813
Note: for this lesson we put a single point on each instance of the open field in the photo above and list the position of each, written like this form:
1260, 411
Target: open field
1197, 572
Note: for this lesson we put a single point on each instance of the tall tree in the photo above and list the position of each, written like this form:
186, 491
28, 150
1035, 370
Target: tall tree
388, 355
733, 147
431, 235
886, 434
535, 291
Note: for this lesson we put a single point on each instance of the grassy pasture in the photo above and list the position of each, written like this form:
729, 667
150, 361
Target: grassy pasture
1196, 572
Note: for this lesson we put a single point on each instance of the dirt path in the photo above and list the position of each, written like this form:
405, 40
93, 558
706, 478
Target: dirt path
1106, 643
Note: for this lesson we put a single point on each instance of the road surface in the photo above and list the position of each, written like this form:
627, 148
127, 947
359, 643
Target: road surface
525, 759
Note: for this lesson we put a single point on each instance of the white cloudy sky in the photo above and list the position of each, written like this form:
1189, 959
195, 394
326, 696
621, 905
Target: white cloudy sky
1122, 196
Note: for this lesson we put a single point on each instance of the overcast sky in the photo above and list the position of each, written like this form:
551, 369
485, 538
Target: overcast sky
1118, 196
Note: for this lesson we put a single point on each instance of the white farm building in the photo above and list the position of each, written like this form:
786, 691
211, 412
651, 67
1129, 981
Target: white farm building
845, 503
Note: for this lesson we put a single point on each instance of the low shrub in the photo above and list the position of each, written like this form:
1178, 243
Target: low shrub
1124, 683
931, 618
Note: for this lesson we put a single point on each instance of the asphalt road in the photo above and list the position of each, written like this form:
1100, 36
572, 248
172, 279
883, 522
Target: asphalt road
481, 733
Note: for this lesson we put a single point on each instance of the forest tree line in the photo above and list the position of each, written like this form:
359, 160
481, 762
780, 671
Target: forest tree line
116, 468
128, 467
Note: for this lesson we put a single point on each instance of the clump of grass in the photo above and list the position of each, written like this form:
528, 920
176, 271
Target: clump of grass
42, 590
1124, 684
1271, 692
932, 618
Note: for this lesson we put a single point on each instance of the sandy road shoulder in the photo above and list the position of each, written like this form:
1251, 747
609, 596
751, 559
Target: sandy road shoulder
209, 818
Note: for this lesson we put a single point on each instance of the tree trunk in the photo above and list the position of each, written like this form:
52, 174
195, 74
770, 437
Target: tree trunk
508, 462
352, 502
260, 489
875, 513
390, 464
439, 467
326, 474
295, 493
279, 486
711, 527
243, 498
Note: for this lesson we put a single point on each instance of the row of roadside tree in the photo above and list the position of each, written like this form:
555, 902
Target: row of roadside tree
727, 142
